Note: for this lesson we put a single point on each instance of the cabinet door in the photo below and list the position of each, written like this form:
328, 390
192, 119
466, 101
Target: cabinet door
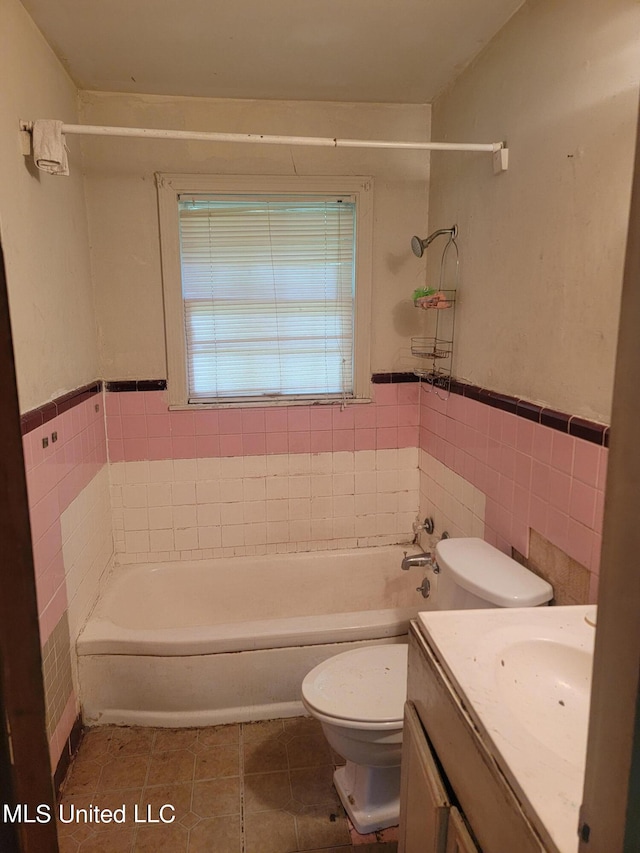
424, 805
458, 837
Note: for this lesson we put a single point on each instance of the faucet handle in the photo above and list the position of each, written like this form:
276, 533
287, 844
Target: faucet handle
424, 588
427, 525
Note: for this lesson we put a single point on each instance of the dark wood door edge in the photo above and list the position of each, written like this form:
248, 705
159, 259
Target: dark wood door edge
23, 726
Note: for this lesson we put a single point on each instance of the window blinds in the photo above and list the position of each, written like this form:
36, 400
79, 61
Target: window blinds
268, 285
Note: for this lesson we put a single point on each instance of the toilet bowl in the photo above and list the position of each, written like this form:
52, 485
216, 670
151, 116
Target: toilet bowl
358, 696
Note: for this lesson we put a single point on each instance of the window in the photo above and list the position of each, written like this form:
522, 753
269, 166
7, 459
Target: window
267, 288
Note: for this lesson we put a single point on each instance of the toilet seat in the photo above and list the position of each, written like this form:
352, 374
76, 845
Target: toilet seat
363, 688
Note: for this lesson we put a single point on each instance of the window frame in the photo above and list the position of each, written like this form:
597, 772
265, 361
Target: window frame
171, 186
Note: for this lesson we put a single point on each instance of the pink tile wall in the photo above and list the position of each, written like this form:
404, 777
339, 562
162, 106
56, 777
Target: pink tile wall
533, 476
140, 426
55, 476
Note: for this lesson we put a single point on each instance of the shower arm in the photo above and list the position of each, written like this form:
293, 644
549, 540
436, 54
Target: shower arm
418, 245
453, 231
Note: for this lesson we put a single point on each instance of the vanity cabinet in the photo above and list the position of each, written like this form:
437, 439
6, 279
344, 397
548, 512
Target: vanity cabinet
454, 797
459, 839
429, 822
425, 804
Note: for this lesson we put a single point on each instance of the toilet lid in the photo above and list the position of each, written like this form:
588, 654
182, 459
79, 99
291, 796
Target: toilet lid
367, 685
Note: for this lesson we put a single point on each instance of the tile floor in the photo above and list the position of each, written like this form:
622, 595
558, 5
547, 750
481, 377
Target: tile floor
248, 788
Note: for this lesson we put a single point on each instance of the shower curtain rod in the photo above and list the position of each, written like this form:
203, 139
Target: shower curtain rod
498, 149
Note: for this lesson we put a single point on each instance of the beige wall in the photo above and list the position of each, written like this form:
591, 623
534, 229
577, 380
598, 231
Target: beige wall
543, 245
42, 224
123, 219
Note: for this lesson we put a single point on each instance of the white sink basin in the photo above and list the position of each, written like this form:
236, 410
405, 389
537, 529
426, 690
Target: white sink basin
546, 685
525, 677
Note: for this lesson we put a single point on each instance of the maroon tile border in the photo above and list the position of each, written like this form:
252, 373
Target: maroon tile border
37, 417
161, 384
382, 378
572, 425
137, 385
525, 409
592, 431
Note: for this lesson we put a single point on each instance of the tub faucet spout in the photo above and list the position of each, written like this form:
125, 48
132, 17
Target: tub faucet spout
422, 560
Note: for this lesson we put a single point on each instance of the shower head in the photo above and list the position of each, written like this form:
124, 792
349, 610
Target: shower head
418, 246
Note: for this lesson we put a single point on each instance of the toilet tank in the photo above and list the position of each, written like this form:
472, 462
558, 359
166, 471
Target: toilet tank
474, 574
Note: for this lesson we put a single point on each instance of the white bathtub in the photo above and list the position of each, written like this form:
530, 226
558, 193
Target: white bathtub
209, 642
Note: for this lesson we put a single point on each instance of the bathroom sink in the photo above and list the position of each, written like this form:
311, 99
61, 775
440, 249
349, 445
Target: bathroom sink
546, 685
524, 676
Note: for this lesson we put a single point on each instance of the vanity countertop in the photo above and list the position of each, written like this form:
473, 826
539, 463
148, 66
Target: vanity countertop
524, 676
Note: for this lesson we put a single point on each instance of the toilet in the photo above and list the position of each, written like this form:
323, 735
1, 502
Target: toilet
358, 696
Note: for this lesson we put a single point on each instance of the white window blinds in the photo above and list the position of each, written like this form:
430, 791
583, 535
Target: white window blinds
268, 286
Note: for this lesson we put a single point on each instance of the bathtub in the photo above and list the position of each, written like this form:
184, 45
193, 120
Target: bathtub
230, 640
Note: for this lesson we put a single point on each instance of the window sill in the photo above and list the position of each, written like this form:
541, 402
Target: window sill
256, 404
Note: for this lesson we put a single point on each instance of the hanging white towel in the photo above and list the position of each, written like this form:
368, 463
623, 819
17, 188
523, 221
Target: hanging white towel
49, 149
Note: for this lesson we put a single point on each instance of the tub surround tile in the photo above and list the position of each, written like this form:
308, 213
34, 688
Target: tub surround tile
56, 476
64, 445
239, 506
141, 426
493, 443
456, 506
535, 475
561, 421
295, 809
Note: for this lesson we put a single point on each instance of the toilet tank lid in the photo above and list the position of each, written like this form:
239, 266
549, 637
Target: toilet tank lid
488, 573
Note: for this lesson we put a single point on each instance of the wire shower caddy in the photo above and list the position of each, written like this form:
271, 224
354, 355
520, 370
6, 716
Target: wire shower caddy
436, 350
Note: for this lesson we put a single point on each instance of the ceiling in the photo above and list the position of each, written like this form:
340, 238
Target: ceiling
396, 51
